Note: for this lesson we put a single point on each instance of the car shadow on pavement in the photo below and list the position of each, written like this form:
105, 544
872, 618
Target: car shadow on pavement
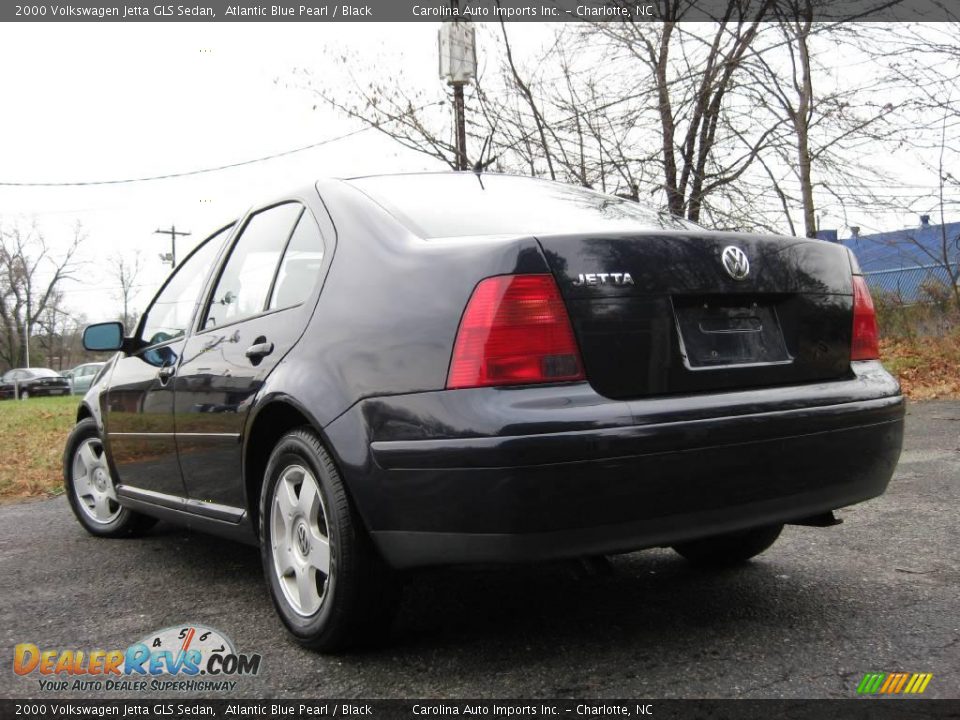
646, 596
651, 599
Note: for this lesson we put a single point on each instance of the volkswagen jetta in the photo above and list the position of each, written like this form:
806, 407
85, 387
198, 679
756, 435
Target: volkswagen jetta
388, 372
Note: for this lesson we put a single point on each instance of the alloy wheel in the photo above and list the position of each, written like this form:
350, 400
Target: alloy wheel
300, 540
92, 483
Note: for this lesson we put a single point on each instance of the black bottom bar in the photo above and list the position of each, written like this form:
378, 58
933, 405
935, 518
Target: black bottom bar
863, 708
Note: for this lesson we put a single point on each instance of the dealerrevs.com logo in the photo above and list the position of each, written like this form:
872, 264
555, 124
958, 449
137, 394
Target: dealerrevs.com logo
186, 658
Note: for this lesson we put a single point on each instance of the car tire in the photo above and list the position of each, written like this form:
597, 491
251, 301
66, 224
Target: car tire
328, 584
730, 549
90, 489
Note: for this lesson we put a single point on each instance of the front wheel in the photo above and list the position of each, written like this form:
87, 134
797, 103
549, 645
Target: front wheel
730, 549
90, 488
328, 584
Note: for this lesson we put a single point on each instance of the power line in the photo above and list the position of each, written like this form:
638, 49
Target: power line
218, 168
110, 288
188, 173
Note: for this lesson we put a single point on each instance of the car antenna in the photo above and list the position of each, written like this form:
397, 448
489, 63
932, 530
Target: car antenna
480, 165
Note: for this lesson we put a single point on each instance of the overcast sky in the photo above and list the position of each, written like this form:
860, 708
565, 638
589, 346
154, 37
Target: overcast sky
100, 102
92, 102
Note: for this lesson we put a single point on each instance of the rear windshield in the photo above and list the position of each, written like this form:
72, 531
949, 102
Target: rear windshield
456, 205
43, 372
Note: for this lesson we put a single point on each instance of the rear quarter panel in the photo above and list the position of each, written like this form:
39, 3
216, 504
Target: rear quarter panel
390, 307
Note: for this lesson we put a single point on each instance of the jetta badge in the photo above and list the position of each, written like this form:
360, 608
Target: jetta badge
735, 262
603, 279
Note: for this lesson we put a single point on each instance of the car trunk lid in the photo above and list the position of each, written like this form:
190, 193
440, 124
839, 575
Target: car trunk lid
664, 312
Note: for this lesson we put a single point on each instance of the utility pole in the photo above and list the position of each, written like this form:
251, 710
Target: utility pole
26, 325
458, 109
171, 257
458, 66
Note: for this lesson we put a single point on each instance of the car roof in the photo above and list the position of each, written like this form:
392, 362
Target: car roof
300, 189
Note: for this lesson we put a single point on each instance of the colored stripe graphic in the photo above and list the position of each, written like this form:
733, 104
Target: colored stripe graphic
923, 679
889, 683
894, 683
901, 682
870, 683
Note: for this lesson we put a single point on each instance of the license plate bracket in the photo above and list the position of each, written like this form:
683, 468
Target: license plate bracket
720, 331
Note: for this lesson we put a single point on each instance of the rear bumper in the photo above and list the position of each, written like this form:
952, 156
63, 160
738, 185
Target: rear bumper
537, 473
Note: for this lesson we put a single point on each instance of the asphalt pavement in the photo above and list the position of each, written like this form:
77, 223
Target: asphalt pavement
880, 593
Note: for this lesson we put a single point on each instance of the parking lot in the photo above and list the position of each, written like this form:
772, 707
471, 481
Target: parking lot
806, 619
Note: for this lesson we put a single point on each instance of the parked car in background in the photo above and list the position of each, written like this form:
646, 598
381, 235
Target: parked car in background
383, 373
33, 382
82, 376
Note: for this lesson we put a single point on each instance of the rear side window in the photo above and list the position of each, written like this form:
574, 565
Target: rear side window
244, 285
300, 267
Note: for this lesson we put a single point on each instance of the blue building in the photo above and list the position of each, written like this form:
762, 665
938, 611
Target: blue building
901, 262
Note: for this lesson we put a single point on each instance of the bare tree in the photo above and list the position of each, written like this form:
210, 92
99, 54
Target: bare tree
507, 124
693, 70
799, 108
125, 270
52, 333
923, 60
944, 254
703, 118
414, 119
527, 95
30, 279
829, 116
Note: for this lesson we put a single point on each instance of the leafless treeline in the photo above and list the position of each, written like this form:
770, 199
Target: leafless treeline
34, 281
756, 120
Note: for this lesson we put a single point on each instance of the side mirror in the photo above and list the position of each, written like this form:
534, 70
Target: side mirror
103, 337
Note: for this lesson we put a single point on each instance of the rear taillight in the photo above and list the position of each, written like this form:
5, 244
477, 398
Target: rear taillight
515, 330
865, 344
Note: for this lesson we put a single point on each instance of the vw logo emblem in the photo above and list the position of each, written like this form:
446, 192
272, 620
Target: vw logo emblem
302, 540
735, 262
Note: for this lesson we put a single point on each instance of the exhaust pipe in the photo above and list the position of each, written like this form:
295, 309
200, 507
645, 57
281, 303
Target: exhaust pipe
827, 519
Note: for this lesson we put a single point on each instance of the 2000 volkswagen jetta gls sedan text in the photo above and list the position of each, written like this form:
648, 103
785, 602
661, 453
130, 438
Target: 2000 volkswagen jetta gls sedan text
389, 372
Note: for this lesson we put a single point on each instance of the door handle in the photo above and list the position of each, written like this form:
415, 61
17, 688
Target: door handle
260, 350
165, 373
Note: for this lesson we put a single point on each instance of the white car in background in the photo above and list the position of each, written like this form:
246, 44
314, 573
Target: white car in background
81, 377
